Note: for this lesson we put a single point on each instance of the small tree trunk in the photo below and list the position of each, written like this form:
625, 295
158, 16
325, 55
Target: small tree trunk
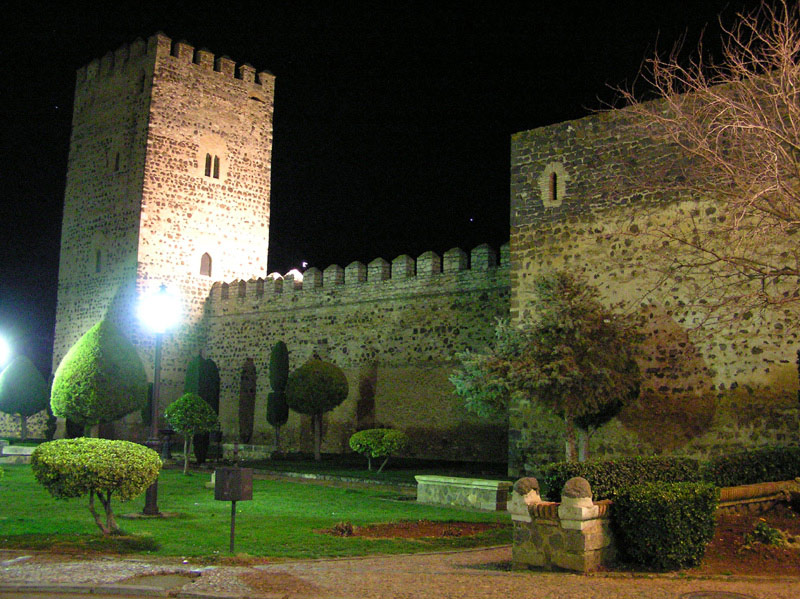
103, 528
317, 418
278, 439
111, 523
187, 442
382, 465
369, 463
583, 446
23, 427
570, 439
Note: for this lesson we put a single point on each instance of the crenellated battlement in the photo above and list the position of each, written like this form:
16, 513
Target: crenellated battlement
429, 273
161, 45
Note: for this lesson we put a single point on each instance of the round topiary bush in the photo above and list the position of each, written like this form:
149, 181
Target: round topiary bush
315, 388
103, 468
190, 415
379, 443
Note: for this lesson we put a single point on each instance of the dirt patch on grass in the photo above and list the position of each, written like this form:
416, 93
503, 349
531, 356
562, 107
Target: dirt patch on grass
729, 552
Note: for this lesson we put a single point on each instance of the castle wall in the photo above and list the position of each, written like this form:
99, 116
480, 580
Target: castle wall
394, 330
100, 227
168, 183
708, 387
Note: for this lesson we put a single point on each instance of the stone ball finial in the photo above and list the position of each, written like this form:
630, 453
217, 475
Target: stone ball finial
525, 485
577, 488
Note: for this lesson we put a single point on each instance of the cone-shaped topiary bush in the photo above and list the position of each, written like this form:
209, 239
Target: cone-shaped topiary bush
101, 379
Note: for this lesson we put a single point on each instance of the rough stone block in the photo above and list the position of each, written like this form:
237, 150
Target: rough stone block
379, 270
403, 267
429, 263
455, 260
483, 258
354, 273
333, 275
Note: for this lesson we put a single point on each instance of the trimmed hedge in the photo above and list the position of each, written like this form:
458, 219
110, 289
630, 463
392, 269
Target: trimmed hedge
664, 526
753, 466
609, 478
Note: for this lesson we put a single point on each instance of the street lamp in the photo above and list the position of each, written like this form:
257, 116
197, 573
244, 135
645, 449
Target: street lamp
158, 311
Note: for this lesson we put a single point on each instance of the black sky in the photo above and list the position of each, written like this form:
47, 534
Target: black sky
392, 119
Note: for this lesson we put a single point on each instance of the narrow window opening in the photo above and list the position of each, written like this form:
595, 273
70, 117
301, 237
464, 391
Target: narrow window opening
98, 263
116, 163
216, 167
205, 265
208, 165
141, 83
553, 187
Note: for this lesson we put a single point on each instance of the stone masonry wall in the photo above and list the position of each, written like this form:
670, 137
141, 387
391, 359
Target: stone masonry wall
707, 388
393, 328
169, 162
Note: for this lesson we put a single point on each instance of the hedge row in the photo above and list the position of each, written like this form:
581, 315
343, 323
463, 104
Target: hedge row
608, 478
665, 526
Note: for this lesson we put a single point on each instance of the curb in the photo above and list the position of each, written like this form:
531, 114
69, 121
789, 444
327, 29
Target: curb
117, 589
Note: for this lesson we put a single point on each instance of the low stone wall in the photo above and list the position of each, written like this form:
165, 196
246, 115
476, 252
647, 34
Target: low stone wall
15, 454
489, 495
573, 535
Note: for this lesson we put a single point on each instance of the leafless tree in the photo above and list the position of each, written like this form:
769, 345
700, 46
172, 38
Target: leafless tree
735, 127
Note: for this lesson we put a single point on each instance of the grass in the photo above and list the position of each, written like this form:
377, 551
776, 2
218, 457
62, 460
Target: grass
282, 520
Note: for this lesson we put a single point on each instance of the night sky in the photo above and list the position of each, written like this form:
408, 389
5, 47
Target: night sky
392, 119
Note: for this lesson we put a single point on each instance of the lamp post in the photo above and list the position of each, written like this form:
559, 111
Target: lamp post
158, 311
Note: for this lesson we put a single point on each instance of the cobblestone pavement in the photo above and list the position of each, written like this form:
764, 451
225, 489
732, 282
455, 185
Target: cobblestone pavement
475, 574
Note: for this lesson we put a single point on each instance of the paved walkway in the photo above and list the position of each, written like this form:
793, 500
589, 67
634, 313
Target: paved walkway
474, 574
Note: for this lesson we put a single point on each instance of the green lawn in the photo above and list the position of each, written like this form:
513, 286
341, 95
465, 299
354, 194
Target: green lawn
280, 521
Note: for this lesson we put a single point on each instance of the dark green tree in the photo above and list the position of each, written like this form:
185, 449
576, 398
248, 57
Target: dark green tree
202, 377
190, 415
315, 388
23, 391
277, 408
101, 379
574, 357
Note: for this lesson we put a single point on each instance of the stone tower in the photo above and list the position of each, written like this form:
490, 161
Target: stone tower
168, 182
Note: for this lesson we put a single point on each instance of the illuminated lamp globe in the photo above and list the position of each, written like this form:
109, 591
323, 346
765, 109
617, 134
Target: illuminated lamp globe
159, 310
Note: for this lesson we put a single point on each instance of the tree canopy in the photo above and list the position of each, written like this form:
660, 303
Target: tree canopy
190, 415
100, 379
315, 388
23, 391
575, 357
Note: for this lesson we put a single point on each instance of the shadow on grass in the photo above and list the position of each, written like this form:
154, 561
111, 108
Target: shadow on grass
77, 544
